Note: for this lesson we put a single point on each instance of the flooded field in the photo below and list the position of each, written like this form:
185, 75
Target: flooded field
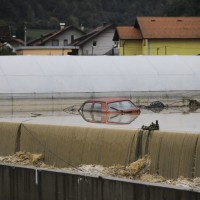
68, 138
178, 118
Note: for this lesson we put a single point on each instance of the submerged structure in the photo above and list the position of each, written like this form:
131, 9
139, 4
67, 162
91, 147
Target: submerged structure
94, 76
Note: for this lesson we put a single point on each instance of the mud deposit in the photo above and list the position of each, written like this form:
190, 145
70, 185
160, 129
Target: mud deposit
138, 170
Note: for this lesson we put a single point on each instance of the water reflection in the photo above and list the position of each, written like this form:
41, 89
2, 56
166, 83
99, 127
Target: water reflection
108, 118
174, 117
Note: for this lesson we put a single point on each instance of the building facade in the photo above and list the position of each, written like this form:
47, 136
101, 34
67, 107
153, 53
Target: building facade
97, 42
160, 36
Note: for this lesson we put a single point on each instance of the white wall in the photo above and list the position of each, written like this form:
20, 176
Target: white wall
65, 36
98, 74
104, 44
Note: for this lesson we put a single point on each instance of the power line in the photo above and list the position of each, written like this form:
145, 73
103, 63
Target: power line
46, 148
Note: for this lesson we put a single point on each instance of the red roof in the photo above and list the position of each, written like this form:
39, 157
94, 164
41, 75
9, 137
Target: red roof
128, 32
169, 27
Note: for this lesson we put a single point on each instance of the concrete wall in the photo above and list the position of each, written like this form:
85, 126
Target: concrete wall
103, 41
39, 51
18, 183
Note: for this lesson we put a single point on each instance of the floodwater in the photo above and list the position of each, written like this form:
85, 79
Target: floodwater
71, 143
180, 119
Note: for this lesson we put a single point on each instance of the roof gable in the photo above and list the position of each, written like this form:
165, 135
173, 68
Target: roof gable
128, 33
97, 31
169, 27
50, 36
38, 41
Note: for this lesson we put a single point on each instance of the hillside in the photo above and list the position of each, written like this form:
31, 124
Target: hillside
90, 13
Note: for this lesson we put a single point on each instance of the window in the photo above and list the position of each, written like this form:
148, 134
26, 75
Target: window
97, 116
97, 107
116, 44
87, 107
55, 43
121, 105
65, 42
72, 38
94, 44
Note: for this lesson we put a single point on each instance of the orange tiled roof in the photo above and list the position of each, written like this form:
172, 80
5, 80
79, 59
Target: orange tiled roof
128, 32
169, 27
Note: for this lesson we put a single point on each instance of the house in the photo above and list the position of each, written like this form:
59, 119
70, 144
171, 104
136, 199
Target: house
45, 50
16, 42
128, 40
97, 42
39, 41
160, 36
64, 37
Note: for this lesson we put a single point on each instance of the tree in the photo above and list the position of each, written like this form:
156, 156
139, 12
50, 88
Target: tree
53, 23
72, 20
180, 8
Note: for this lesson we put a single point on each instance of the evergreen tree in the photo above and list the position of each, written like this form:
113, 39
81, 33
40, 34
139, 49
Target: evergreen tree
37, 13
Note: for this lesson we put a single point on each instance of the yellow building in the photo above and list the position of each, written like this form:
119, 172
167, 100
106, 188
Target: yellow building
160, 36
129, 40
45, 50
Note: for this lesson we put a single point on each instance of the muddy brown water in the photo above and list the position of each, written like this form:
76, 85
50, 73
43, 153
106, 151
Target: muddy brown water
174, 149
169, 120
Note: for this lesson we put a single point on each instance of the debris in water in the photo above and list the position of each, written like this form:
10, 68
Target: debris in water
194, 105
152, 126
156, 106
72, 109
35, 114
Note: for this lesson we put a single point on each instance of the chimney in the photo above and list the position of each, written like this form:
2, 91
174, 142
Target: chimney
82, 27
62, 26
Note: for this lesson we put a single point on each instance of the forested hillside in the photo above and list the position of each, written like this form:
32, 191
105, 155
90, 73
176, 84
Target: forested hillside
90, 13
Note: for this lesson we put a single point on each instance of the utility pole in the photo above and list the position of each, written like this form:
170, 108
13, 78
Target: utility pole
157, 50
25, 29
